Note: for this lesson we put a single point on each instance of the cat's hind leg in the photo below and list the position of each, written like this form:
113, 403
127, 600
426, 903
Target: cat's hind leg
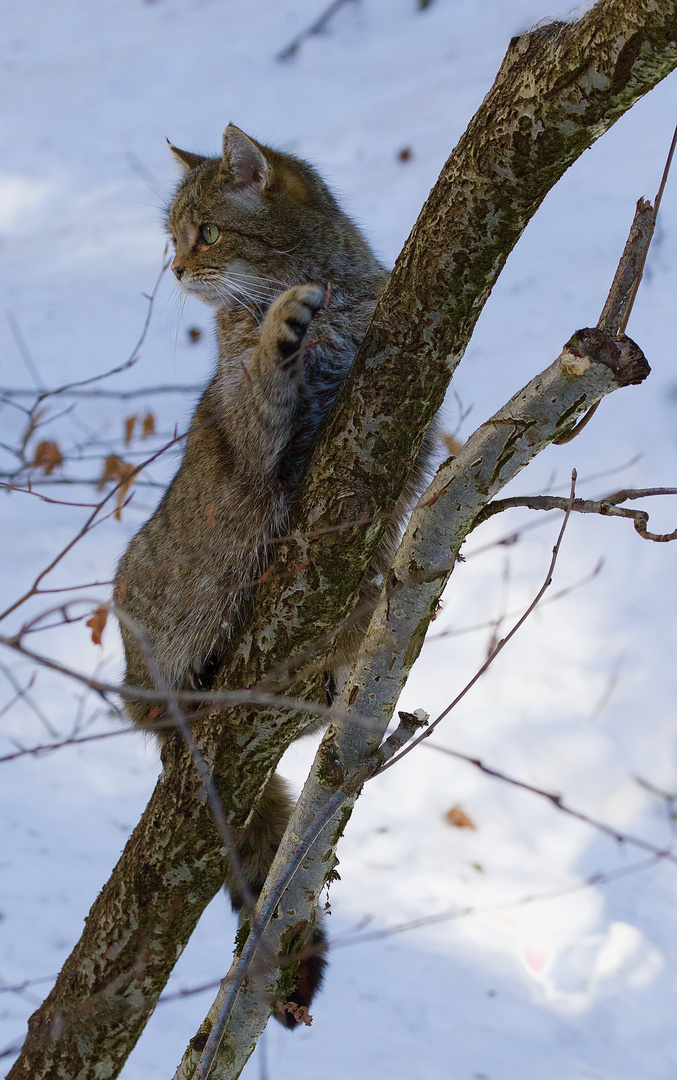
257, 845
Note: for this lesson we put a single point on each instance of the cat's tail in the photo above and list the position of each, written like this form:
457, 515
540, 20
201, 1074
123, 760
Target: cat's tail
257, 845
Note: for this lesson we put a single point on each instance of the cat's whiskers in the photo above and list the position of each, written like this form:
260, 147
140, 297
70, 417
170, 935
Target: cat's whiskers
260, 279
251, 294
229, 294
289, 251
253, 285
249, 288
173, 304
240, 290
177, 318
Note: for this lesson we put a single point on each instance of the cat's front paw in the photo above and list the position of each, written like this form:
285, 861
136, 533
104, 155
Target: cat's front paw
287, 322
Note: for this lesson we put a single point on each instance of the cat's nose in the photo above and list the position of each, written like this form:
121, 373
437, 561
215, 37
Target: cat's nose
179, 271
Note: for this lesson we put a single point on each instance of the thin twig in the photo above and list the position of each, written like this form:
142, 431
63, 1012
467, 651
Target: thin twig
123, 395
657, 203
558, 802
210, 698
24, 351
598, 878
606, 507
25, 696
489, 623
71, 740
316, 27
20, 987
46, 498
74, 389
202, 769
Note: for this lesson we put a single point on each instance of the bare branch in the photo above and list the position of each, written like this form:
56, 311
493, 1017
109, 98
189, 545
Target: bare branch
607, 507
600, 877
7, 393
316, 27
490, 623
24, 351
210, 698
558, 802
657, 203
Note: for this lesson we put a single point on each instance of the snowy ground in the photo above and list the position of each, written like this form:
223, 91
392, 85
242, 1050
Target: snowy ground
583, 985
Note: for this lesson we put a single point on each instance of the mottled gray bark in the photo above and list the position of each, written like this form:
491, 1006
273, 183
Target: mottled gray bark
558, 89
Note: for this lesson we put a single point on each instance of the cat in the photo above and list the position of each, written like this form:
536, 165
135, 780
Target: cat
260, 238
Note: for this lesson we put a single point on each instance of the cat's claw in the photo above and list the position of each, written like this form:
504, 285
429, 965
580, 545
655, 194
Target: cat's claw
293, 313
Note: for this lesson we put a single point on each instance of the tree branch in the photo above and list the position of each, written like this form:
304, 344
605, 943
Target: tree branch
317, 27
607, 507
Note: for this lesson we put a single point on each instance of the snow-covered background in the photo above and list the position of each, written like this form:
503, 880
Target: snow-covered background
582, 702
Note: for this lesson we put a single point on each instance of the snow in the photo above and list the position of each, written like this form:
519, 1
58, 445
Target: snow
571, 16
578, 12
579, 982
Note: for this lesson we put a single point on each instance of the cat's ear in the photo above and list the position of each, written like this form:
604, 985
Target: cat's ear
243, 160
187, 160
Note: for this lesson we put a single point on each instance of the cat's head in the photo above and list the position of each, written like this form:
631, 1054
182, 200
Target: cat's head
251, 223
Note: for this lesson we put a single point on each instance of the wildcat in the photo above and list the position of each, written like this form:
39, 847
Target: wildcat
257, 235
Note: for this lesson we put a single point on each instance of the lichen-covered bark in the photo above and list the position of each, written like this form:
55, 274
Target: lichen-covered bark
109, 986
558, 90
591, 365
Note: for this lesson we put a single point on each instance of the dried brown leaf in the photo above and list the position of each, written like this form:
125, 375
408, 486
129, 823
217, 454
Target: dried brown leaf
148, 427
125, 477
459, 818
122, 472
110, 470
97, 623
130, 424
47, 456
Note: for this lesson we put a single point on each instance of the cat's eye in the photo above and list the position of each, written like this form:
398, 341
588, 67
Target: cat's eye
210, 234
